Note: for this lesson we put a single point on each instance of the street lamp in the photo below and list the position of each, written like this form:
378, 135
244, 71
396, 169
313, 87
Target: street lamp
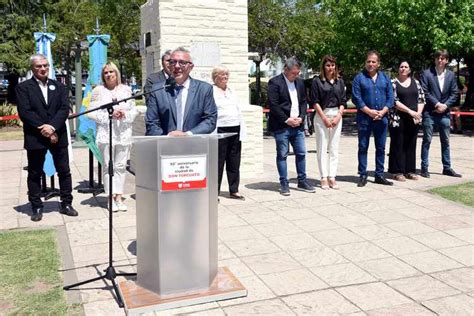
78, 49
122, 77
257, 58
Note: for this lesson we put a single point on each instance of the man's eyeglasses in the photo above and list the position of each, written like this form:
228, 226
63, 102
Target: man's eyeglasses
182, 63
42, 66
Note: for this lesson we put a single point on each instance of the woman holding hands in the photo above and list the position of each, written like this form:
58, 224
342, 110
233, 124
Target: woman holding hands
328, 95
124, 114
409, 104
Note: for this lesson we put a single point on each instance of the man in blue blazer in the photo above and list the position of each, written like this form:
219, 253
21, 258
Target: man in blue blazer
186, 109
441, 92
43, 108
287, 102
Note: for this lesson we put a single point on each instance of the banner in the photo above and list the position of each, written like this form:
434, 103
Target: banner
97, 59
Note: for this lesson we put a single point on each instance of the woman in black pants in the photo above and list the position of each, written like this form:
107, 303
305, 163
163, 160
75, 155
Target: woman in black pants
409, 103
229, 120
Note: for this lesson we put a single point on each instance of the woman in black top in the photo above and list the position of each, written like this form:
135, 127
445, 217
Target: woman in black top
328, 97
409, 103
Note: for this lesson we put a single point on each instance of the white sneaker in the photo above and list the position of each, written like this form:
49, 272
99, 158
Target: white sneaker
115, 207
121, 206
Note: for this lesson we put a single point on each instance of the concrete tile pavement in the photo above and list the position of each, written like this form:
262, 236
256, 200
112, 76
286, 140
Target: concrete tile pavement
371, 250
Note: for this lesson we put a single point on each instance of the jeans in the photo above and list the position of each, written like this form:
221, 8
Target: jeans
365, 129
283, 138
443, 124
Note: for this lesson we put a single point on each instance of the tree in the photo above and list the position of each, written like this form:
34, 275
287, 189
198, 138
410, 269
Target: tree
401, 29
284, 28
71, 20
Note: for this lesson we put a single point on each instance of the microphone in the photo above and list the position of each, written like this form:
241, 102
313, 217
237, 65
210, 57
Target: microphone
170, 83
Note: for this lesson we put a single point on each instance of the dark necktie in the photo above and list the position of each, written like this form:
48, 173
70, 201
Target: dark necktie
179, 108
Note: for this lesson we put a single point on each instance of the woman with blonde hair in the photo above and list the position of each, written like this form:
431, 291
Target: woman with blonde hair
229, 120
328, 96
124, 113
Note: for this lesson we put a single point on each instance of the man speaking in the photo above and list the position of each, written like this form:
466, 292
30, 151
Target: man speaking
186, 109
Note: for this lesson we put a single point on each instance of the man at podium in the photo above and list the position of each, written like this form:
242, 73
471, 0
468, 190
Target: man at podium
185, 109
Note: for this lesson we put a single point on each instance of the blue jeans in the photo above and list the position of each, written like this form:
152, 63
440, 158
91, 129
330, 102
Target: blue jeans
365, 129
443, 123
283, 138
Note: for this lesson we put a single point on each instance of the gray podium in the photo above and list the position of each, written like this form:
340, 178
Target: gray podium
176, 205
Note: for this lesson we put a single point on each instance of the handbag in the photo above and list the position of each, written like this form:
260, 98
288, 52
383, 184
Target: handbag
394, 118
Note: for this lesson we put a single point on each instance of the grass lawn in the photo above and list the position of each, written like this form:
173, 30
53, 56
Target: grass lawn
30, 283
462, 193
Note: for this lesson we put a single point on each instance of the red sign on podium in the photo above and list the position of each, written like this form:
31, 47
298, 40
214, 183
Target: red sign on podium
183, 172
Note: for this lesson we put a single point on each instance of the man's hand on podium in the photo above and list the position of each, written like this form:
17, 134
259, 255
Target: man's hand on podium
177, 133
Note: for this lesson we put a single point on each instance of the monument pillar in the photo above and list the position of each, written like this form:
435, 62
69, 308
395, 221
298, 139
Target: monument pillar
216, 32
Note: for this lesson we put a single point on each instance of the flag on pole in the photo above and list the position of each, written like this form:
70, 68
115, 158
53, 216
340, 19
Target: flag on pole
43, 42
97, 59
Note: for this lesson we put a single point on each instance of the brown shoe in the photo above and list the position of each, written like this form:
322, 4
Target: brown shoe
399, 177
324, 184
333, 184
411, 176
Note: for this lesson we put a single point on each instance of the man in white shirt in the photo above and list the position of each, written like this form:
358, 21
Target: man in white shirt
441, 92
287, 102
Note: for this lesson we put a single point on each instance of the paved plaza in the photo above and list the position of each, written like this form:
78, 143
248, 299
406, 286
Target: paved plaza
361, 251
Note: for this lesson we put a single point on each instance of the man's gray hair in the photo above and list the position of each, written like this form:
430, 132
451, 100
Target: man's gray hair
292, 62
35, 57
166, 53
183, 50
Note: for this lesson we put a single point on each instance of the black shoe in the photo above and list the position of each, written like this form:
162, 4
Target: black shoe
450, 172
425, 174
285, 190
362, 181
382, 180
305, 186
68, 210
37, 214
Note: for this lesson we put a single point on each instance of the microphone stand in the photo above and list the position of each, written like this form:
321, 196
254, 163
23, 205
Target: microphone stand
110, 272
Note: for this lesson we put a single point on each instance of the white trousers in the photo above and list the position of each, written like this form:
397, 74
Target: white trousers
119, 158
327, 144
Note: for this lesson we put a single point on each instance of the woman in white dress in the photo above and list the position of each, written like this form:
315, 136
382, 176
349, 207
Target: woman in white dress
124, 114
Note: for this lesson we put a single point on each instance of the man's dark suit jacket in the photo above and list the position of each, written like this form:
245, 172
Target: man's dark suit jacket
200, 114
279, 102
433, 94
152, 79
34, 112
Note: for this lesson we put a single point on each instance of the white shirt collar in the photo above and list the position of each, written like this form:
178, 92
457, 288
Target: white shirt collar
41, 82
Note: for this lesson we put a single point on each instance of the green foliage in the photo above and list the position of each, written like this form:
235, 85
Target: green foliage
284, 28
401, 29
263, 93
71, 20
462, 193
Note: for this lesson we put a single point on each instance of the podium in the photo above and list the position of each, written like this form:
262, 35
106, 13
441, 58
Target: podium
176, 199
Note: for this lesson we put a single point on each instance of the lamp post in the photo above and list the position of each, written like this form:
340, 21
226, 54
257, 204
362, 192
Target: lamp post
122, 77
80, 46
257, 58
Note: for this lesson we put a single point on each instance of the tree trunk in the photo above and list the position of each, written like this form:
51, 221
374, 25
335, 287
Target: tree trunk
469, 103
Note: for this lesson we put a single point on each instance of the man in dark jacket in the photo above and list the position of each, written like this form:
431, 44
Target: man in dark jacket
441, 93
287, 102
43, 109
